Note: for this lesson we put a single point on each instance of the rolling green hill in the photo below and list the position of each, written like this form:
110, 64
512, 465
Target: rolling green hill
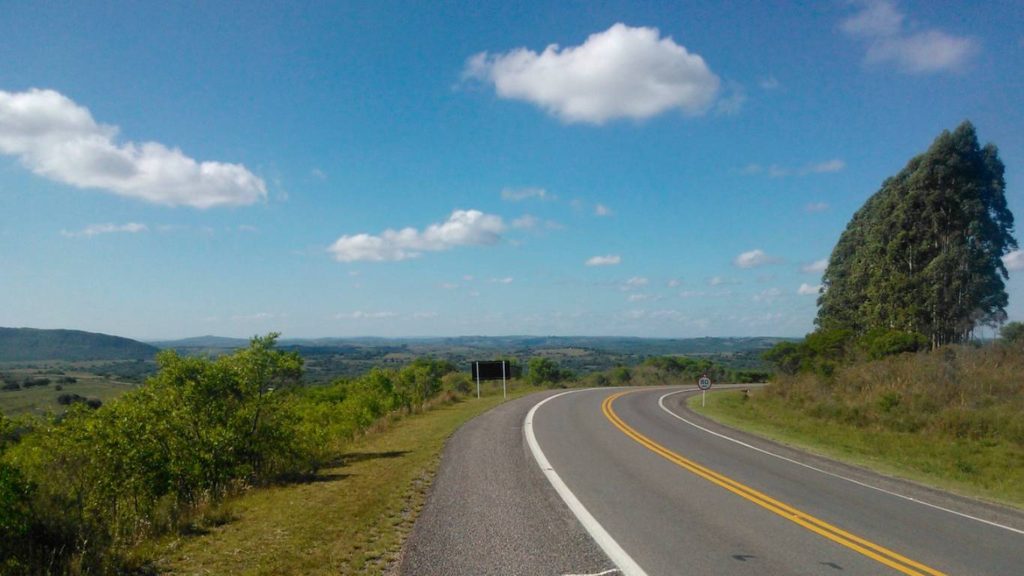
30, 345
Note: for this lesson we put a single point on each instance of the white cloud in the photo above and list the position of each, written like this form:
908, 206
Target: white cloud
753, 259
257, 317
777, 171
318, 174
769, 83
768, 296
97, 229
806, 289
362, 315
57, 139
635, 282
816, 267
731, 103
889, 40
525, 222
834, 165
505, 280
720, 281
520, 194
463, 228
638, 297
876, 18
814, 207
674, 283
602, 210
1014, 261
623, 72
609, 260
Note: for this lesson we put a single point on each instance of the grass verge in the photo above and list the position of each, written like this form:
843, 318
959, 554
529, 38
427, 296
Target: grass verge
984, 468
352, 518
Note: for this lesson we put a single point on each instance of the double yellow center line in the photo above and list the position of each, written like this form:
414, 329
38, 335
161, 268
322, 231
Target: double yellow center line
833, 533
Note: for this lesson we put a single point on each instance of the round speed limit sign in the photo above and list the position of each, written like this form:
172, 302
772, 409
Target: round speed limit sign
704, 383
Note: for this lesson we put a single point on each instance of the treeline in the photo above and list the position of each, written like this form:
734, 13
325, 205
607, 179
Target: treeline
824, 351
77, 491
672, 370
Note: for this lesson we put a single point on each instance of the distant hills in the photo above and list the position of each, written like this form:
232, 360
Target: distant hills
610, 344
31, 344
326, 358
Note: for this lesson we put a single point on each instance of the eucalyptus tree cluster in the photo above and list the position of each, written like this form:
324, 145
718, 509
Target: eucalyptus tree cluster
924, 253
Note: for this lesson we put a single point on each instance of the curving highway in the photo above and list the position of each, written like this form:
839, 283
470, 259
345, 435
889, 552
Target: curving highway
630, 482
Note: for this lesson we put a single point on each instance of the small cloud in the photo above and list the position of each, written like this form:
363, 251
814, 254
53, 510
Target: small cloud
609, 260
449, 286
692, 293
602, 210
815, 207
97, 229
769, 83
623, 72
1014, 261
425, 315
754, 258
806, 289
520, 194
674, 283
732, 103
246, 228
816, 267
720, 281
318, 174
525, 222
505, 280
635, 282
768, 296
638, 297
362, 315
463, 228
257, 317
889, 40
834, 165
778, 171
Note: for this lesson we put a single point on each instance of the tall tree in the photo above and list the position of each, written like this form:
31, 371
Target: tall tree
924, 253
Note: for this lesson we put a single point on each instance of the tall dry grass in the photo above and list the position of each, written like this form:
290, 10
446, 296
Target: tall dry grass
955, 392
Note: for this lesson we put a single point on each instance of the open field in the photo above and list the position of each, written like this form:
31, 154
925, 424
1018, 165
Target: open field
102, 380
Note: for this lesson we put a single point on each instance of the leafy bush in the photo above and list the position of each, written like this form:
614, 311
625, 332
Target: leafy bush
1012, 332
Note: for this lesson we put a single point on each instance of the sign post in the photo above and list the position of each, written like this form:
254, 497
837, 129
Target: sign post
704, 384
493, 370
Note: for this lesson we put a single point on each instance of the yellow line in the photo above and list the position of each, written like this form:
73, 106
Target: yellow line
833, 533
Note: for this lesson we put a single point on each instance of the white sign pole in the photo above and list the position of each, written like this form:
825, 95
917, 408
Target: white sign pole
702, 393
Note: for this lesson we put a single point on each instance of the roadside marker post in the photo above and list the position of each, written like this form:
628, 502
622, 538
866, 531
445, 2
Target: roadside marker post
704, 384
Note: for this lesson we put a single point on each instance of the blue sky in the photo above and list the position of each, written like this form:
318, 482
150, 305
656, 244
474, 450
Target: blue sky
419, 169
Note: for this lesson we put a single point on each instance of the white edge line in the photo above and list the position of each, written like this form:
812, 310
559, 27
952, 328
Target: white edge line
661, 402
611, 548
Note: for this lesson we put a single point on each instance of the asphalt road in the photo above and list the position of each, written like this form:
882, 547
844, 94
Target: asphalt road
664, 492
